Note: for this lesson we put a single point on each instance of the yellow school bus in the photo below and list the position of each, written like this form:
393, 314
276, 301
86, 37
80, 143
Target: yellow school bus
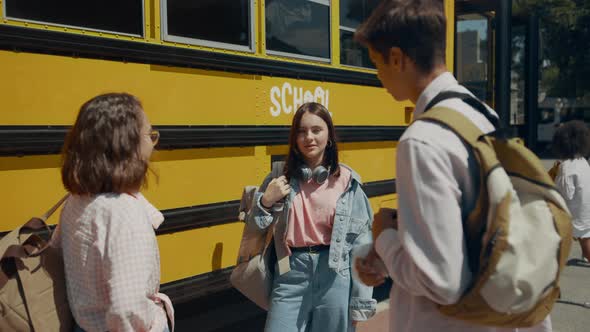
220, 79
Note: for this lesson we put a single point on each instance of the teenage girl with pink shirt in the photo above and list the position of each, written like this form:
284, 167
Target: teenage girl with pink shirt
325, 216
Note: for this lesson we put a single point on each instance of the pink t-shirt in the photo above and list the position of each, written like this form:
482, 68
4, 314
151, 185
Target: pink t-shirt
312, 211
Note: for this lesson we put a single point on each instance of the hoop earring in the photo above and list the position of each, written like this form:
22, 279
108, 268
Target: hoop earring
329, 144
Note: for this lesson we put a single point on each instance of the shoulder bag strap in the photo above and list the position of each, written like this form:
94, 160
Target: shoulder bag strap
21, 290
48, 214
40, 223
469, 100
11, 243
33, 224
457, 122
277, 169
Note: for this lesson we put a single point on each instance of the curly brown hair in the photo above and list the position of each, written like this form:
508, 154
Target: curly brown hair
571, 140
295, 158
101, 153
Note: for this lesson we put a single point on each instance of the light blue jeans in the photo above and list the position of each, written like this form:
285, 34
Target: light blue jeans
311, 297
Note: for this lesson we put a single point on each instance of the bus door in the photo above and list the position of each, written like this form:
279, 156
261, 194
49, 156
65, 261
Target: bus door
474, 49
550, 67
524, 89
493, 61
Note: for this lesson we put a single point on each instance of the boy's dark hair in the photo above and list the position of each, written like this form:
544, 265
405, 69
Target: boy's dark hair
101, 153
295, 158
571, 140
417, 27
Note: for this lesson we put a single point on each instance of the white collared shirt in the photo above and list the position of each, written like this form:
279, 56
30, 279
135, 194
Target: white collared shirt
573, 182
112, 263
437, 186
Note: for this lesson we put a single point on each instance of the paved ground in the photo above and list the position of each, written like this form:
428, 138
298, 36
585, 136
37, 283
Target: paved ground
570, 314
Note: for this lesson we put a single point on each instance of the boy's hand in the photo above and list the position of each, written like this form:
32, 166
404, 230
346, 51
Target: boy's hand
385, 218
370, 269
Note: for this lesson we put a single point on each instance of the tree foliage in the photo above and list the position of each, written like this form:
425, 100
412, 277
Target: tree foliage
565, 42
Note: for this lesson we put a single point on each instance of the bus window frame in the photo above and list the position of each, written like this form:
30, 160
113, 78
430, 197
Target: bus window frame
353, 30
488, 16
204, 42
58, 25
327, 60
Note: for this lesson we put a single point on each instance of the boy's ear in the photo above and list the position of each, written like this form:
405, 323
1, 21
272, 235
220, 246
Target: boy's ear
396, 58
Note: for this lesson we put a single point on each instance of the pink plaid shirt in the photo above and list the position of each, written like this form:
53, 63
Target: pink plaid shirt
112, 263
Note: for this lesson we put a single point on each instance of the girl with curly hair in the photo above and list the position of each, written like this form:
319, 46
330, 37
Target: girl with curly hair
112, 263
571, 144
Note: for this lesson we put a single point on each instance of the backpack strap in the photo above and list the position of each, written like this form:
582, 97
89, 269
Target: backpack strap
469, 100
464, 128
48, 214
277, 226
277, 169
25, 299
43, 219
11, 244
457, 122
13, 247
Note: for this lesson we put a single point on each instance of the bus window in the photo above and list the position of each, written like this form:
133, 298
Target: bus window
473, 55
546, 115
120, 16
298, 28
352, 13
548, 122
215, 23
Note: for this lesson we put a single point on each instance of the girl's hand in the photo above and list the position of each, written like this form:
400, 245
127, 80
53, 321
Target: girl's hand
554, 170
277, 189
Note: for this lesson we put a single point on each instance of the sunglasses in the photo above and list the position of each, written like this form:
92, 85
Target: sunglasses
154, 136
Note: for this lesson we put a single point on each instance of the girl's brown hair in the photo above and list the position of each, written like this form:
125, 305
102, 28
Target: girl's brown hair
102, 153
295, 158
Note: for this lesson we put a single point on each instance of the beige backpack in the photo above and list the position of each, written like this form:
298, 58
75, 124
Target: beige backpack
32, 284
519, 233
253, 274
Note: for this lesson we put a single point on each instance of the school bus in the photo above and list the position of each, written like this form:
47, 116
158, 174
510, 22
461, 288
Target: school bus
220, 80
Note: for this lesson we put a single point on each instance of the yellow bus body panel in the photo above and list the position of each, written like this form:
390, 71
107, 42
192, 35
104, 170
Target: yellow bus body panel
46, 90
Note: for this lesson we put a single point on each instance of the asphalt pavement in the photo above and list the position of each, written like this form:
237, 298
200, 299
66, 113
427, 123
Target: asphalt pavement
570, 314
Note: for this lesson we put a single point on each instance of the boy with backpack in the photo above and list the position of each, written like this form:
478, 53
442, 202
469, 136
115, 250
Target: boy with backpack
423, 246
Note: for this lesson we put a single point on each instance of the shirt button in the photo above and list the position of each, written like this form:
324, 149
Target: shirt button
338, 239
341, 217
344, 200
335, 259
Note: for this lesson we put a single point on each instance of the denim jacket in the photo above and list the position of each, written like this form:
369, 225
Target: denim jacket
352, 228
